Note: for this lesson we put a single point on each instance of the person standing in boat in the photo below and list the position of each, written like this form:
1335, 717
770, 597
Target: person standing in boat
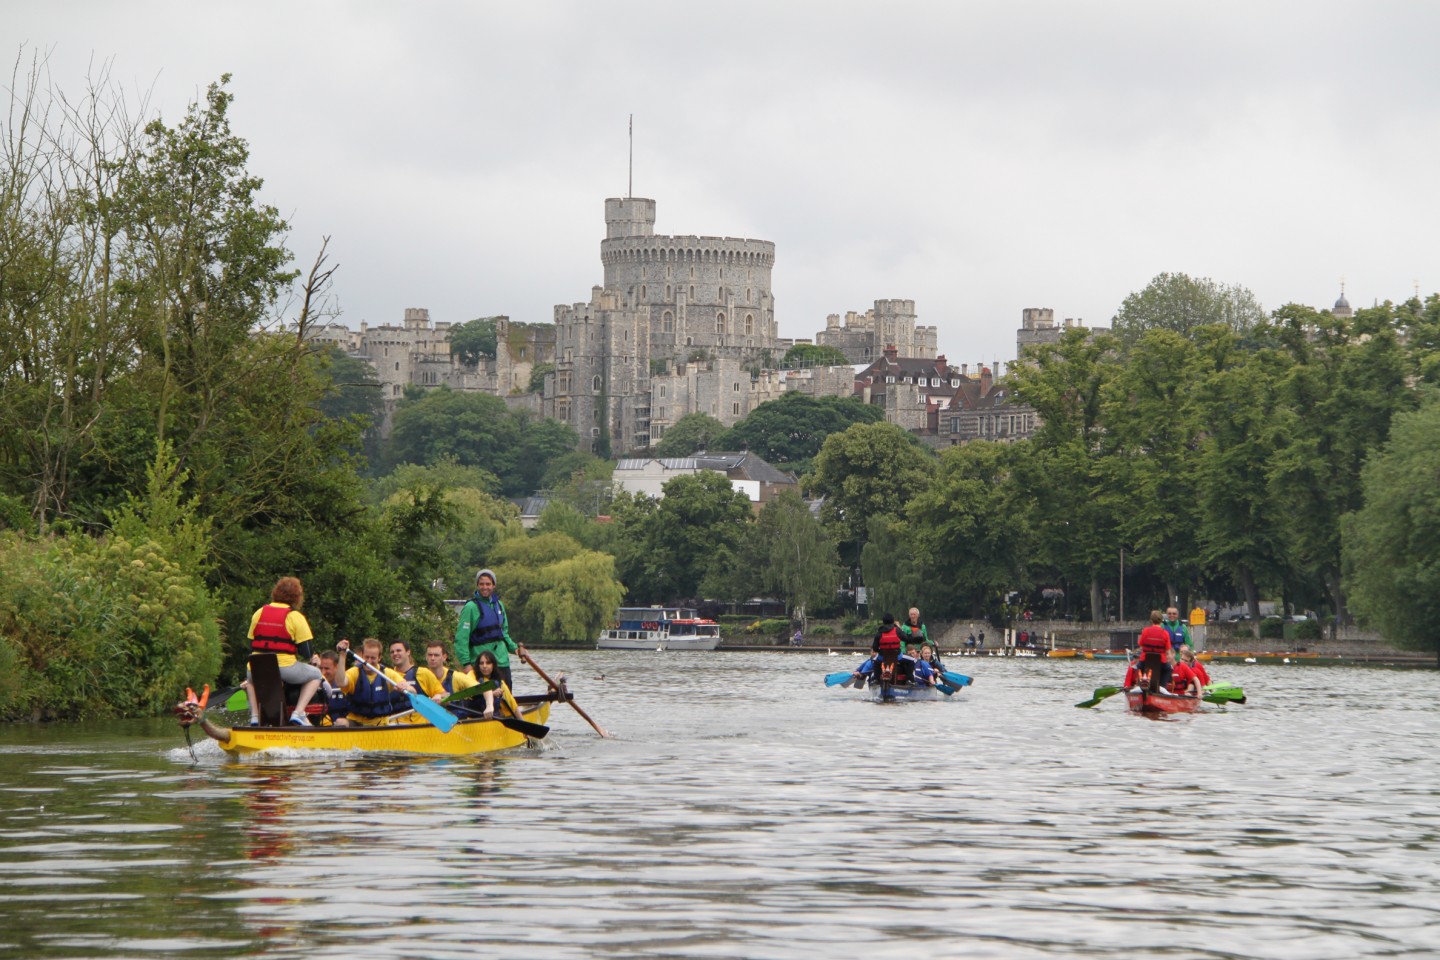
485, 626
280, 628
916, 633
1178, 629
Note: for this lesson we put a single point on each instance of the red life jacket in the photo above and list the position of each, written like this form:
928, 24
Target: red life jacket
890, 640
1155, 638
270, 633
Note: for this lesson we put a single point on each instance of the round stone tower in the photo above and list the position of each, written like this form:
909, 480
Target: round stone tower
703, 292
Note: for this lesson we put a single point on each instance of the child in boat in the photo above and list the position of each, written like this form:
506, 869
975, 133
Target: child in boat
1185, 681
927, 668
1187, 656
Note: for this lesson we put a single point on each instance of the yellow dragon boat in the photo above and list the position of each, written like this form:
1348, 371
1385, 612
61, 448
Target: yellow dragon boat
470, 736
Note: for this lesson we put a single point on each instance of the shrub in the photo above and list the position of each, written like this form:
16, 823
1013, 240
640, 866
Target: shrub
1272, 629
1311, 629
822, 630
101, 628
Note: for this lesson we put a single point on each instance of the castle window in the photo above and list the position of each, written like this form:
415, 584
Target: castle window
749, 324
642, 291
397, 364
667, 292
719, 323
595, 384
735, 409
692, 287
689, 341
667, 322
662, 413
664, 394
748, 291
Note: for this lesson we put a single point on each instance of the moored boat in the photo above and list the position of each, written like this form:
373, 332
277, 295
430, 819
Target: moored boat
471, 736
1143, 702
659, 628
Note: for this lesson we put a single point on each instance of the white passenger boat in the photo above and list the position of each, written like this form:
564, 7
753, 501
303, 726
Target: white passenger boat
659, 628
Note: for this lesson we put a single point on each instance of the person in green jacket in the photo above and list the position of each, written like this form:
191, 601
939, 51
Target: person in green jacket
485, 627
1178, 629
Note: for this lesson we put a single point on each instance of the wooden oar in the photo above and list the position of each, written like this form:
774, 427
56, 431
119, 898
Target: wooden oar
443, 719
556, 687
1100, 694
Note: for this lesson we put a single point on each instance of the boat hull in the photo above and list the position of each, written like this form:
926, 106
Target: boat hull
1141, 702
468, 737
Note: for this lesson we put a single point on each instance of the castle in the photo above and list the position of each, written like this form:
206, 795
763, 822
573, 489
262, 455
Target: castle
667, 304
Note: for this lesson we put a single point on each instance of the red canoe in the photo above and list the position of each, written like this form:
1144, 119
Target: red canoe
1141, 702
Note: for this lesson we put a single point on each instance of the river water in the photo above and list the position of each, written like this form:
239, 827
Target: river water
743, 809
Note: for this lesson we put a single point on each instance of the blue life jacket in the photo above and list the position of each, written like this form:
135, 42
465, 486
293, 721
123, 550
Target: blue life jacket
924, 671
490, 622
1177, 634
373, 697
337, 704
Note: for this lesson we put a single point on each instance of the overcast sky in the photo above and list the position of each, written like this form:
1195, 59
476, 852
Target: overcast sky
977, 158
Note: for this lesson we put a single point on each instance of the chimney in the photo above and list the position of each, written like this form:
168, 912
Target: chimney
964, 369
985, 381
891, 353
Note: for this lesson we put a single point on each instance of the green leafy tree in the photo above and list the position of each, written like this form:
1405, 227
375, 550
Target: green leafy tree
789, 430
538, 374
795, 557
676, 543
1065, 471
1392, 564
868, 470
474, 340
1183, 304
694, 431
894, 576
555, 589
971, 528
812, 355
1336, 398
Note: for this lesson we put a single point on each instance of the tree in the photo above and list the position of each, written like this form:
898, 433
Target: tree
970, 528
1392, 562
353, 392
1337, 396
1174, 301
677, 543
475, 340
810, 355
794, 556
555, 589
790, 429
476, 429
1065, 472
694, 431
867, 470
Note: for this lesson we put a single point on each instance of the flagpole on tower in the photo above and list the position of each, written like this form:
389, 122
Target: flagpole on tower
630, 184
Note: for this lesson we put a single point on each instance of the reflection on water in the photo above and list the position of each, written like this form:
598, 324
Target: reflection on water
746, 810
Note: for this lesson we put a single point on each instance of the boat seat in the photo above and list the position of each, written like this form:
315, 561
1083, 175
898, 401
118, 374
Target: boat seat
269, 690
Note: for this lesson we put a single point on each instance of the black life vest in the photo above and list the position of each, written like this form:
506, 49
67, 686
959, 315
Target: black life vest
270, 633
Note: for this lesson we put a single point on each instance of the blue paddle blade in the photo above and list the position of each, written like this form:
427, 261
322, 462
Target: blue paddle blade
834, 679
443, 719
946, 689
956, 679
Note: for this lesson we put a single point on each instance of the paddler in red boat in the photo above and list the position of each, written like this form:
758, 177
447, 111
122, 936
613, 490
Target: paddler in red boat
1185, 681
1153, 639
1187, 657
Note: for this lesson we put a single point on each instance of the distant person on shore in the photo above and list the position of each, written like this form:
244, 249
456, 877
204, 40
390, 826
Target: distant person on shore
980, 641
970, 642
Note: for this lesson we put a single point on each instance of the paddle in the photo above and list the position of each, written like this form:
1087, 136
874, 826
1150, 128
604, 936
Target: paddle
469, 692
1225, 694
236, 701
956, 679
1100, 694
443, 719
556, 687
835, 679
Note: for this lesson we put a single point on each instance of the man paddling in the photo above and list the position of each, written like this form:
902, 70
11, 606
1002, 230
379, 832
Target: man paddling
420, 677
